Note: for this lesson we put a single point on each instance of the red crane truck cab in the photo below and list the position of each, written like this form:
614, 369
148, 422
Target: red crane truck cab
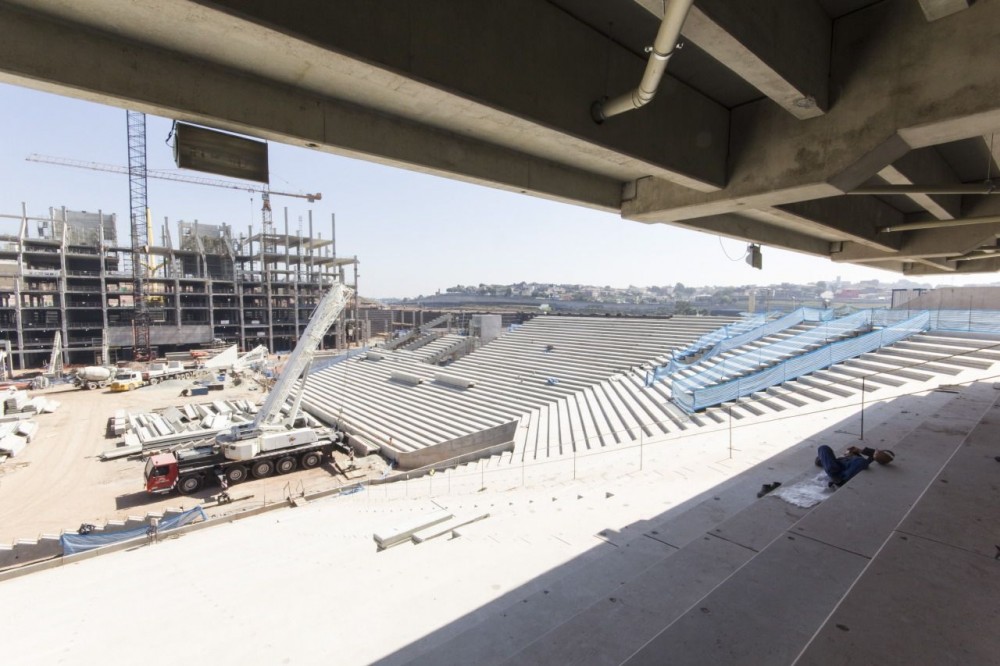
161, 473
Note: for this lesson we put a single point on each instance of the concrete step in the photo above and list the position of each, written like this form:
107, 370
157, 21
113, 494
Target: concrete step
886, 369
613, 626
767, 612
882, 607
631, 591
852, 377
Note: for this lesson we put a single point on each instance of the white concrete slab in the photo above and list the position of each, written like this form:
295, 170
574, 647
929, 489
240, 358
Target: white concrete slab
920, 602
615, 626
871, 504
957, 507
764, 614
559, 597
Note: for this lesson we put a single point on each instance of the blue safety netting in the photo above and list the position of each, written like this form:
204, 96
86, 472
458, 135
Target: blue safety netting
776, 352
693, 397
712, 338
973, 321
727, 338
79, 543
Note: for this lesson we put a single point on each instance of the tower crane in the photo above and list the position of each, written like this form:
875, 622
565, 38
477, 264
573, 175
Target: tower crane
138, 175
171, 175
142, 349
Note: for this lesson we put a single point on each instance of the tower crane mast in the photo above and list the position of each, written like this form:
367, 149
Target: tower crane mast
138, 205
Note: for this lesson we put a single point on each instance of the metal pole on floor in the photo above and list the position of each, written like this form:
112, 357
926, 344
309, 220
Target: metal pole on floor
730, 432
863, 408
640, 449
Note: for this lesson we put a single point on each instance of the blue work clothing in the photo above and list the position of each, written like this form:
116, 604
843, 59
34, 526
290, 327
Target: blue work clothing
841, 470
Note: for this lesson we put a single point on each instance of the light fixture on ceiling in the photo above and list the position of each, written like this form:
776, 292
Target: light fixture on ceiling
754, 257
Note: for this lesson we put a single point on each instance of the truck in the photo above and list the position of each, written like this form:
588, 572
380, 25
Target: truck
93, 377
128, 379
275, 442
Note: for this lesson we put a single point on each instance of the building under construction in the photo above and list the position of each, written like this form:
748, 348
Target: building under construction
66, 280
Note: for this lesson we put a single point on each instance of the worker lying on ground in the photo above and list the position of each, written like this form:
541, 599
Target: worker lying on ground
841, 470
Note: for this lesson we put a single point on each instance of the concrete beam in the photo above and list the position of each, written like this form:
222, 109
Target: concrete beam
938, 9
781, 48
926, 167
944, 243
45, 54
961, 267
993, 145
530, 61
898, 90
741, 227
940, 265
857, 219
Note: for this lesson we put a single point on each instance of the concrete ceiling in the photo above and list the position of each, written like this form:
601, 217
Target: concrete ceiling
770, 119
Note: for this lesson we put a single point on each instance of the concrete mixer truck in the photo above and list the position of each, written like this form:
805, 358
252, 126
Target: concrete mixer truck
93, 377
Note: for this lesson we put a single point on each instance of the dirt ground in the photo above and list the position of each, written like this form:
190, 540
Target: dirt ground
59, 481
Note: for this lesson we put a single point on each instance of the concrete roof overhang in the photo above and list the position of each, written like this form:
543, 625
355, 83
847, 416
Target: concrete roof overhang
768, 119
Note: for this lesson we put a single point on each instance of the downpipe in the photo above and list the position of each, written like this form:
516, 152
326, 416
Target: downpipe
664, 46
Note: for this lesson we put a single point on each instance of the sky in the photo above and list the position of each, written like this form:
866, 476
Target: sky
414, 234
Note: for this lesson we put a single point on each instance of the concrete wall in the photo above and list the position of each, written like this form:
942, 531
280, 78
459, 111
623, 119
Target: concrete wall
955, 298
487, 327
460, 449
121, 336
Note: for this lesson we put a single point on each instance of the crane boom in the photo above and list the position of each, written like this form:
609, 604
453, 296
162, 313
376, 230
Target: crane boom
168, 175
329, 308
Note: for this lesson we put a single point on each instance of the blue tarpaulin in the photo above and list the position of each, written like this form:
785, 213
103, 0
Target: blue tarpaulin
79, 543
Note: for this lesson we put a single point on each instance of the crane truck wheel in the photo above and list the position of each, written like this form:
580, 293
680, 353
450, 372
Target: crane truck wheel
189, 484
262, 468
236, 474
286, 465
310, 459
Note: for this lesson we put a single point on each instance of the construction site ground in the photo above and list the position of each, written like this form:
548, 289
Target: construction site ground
60, 482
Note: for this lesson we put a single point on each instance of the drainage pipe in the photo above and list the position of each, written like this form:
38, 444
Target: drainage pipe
938, 224
659, 54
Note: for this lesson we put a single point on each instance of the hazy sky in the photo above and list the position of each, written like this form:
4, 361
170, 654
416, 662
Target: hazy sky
413, 234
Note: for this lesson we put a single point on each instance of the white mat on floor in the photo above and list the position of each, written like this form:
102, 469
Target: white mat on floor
807, 493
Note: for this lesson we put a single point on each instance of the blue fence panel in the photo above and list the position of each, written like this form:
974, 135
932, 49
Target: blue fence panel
779, 351
977, 321
712, 338
691, 397
78, 543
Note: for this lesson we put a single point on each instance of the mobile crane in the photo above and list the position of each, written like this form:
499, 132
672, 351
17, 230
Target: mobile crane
273, 442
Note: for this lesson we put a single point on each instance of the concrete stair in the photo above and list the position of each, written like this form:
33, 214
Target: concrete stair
726, 578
